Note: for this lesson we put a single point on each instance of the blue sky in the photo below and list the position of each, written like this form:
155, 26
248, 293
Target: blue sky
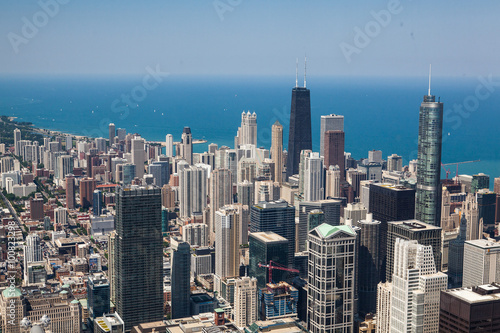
251, 37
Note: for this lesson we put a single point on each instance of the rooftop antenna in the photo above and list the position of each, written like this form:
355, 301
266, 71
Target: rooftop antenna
305, 69
430, 71
297, 73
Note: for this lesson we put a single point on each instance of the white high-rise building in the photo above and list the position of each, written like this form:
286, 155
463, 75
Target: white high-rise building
355, 212
333, 179
481, 262
470, 210
169, 145
61, 216
245, 302
187, 145
221, 193
32, 252
17, 138
314, 187
383, 307
247, 133
331, 278
227, 229
100, 144
331, 122
277, 150
394, 163
138, 155
192, 189
65, 166
416, 288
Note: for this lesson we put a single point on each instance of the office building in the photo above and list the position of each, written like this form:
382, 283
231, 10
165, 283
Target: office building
186, 147
17, 138
331, 122
331, 210
479, 182
299, 134
486, 203
160, 171
456, 256
138, 256
370, 261
98, 295
415, 288
314, 187
246, 193
201, 260
430, 137
169, 145
36, 208
277, 216
138, 159
315, 218
470, 210
334, 142
384, 290
70, 192
87, 187
424, 234
112, 133
481, 262
265, 247
354, 212
109, 323
278, 300
61, 216
196, 234
100, 144
97, 203
333, 182
180, 258
331, 279
245, 302
473, 309
277, 150
32, 251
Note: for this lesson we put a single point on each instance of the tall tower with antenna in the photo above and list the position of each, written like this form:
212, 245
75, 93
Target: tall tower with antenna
299, 137
430, 138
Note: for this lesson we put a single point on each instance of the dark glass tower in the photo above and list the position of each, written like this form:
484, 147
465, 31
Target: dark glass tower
299, 137
430, 137
264, 247
98, 294
456, 256
139, 256
278, 217
180, 257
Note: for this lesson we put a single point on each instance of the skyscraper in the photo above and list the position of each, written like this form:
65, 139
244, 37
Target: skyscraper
138, 156
17, 138
481, 262
97, 203
98, 295
112, 134
32, 252
169, 145
227, 229
299, 136
415, 289
187, 145
221, 193
277, 216
331, 279
370, 261
70, 192
331, 122
334, 150
265, 247
277, 150
314, 184
247, 133
245, 302
180, 256
139, 256
87, 187
192, 190
430, 137
456, 256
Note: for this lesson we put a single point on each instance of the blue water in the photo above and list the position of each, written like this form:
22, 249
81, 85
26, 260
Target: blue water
380, 113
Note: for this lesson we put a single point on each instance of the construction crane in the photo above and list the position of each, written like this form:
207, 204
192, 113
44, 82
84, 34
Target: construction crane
272, 265
456, 172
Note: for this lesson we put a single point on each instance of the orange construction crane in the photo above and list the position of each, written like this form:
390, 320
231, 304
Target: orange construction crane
272, 265
456, 172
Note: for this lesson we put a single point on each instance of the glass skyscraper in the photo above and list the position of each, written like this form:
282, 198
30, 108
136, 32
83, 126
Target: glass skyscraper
180, 257
430, 137
264, 247
139, 256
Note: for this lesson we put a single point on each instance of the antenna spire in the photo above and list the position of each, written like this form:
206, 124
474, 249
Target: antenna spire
430, 71
305, 69
297, 73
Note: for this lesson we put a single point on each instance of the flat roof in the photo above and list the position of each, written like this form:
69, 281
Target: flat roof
415, 225
470, 296
268, 236
484, 243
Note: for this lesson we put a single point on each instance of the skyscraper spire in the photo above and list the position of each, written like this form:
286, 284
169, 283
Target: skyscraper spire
305, 69
430, 69
296, 72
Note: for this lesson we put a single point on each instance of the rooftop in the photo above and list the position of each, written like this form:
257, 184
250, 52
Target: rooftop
268, 237
326, 230
484, 243
479, 294
415, 225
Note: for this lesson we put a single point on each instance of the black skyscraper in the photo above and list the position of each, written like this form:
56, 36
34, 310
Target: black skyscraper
139, 256
299, 137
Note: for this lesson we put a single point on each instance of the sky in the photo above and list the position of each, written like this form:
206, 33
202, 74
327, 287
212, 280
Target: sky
249, 37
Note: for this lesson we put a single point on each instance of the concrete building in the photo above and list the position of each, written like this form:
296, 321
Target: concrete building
192, 190
314, 187
416, 285
227, 229
481, 262
138, 156
186, 146
384, 290
277, 150
245, 302
331, 122
331, 279
278, 300
334, 142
